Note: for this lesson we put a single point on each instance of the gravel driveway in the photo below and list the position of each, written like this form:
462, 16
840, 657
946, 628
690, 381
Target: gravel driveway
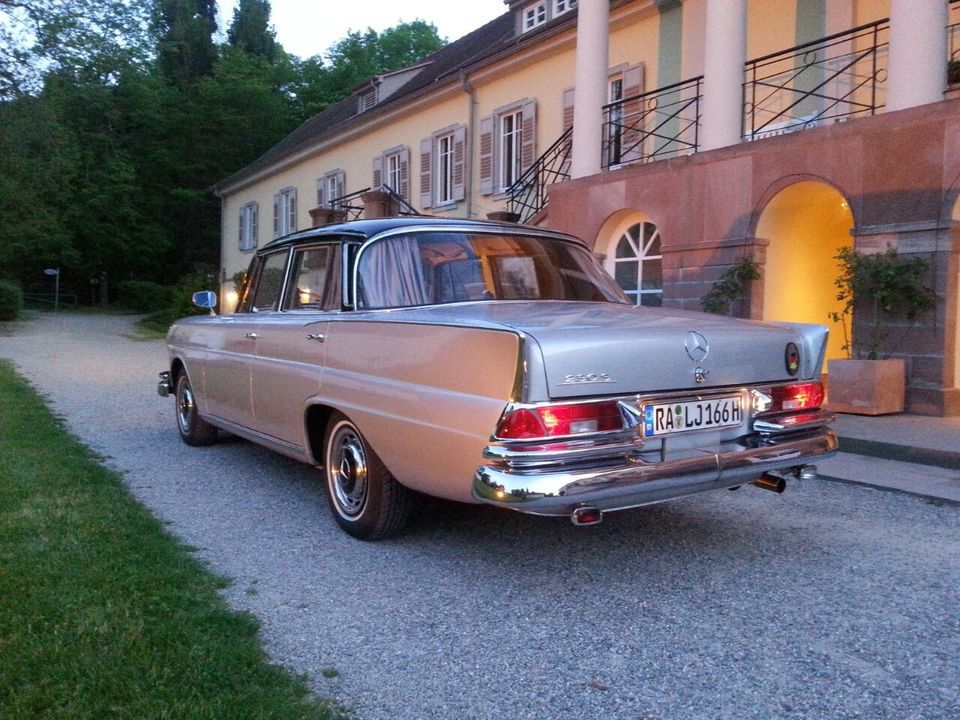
829, 601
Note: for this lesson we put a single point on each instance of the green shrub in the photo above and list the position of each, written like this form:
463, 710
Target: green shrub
144, 295
11, 301
732, 286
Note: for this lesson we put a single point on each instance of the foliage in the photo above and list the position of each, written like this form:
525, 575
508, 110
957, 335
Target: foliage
358, 57
185, 50
250, 30
92, 40
118, 116
11, 301
144, 295
879, 288
105, 614
730, 287
953, 72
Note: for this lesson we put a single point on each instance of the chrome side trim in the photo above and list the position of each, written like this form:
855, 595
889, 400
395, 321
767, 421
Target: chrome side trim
636, 483
280, 446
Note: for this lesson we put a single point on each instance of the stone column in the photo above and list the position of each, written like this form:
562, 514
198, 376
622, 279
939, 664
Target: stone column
378, 204
725, 52
593, 29
916, 73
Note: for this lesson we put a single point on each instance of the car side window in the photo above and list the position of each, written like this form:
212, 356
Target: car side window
314, 279
266, 294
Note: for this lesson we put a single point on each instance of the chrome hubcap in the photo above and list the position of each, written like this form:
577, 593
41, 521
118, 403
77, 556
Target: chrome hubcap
347, 470
185, 406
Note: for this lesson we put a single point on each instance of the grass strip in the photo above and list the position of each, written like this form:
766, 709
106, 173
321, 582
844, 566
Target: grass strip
103, 614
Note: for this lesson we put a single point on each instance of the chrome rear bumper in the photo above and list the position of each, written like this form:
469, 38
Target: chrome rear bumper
634, 481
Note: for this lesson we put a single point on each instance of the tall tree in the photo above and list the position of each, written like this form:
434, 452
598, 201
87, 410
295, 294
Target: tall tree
91, 38
250, 30
185, 50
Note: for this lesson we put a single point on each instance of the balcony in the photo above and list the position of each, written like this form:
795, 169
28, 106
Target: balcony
655, 125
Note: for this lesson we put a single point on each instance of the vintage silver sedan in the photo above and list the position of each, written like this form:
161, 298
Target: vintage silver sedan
490, 363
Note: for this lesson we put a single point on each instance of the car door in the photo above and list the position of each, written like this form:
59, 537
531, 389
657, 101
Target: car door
290, 357
229, 362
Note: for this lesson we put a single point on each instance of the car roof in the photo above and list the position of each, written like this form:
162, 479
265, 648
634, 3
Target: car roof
363, 229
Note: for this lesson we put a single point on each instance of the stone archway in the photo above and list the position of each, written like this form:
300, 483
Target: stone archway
806, 224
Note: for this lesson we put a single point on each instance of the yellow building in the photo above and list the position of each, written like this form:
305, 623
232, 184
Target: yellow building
676, 136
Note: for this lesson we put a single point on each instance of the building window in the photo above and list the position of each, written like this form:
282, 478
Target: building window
445, 169
637, 263
284, 212
393, 171
562, 6
534, 16
330, 188
248, 227
614, 126
511, 144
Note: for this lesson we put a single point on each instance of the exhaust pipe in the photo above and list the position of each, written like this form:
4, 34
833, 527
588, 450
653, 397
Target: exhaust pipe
585, 515
771, 482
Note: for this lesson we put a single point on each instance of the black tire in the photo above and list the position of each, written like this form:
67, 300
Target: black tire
194, 430
365, 499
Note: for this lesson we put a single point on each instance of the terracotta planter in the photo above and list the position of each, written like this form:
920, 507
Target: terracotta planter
866, 387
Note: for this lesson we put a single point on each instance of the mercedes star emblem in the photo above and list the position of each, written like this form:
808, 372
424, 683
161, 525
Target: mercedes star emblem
697, 346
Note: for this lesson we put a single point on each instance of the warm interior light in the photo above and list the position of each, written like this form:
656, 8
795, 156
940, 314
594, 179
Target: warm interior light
559, 420
231, 300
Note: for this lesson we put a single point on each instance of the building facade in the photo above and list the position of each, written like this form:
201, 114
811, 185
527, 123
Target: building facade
678, 138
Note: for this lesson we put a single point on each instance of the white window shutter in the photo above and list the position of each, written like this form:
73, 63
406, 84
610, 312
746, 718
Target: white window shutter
404, 189
528, 153
321, 191
276, 216
240, 240
568, 98
293, 210
486, 155
426, 168
459, 162
254, 220
632, 139
378, 172
341, 184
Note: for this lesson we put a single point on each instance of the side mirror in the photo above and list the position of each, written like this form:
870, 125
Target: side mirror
205, 299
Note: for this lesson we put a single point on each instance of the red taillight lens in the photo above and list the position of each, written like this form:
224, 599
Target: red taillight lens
558, 420
799, 396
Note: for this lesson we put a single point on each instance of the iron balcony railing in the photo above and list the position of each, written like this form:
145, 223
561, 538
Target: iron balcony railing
404, 208
654, 125
528, 195
827, 80
350, 203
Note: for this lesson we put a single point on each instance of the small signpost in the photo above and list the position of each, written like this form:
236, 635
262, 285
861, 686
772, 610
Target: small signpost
55, 272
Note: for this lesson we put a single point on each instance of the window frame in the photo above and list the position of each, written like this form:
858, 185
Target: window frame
561, 7
392, 167
534, 15
642, 247
510, 165
285, 208
443, 183
249, 226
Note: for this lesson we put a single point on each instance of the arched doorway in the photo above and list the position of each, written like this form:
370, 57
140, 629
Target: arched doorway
806, 223
630, 245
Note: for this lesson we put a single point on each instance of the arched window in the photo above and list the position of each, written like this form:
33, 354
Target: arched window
636, 262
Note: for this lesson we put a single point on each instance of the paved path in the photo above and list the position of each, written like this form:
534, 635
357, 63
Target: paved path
829, 601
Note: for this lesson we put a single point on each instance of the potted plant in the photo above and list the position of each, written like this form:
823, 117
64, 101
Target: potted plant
876, 291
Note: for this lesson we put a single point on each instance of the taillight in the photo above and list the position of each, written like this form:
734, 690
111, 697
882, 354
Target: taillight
797, 396
550, 421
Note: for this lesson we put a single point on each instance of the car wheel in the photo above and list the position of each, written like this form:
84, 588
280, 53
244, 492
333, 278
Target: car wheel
366, 500
194, 430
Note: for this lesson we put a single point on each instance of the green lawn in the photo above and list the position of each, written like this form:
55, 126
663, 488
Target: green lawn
103, 614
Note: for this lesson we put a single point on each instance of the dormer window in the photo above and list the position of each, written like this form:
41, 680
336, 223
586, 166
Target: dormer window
534, 16
562, 6
368, 100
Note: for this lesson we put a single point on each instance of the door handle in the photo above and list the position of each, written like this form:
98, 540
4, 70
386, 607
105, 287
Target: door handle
319, 337
252, 335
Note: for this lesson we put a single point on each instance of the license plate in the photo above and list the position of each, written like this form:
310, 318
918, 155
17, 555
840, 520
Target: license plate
678, 417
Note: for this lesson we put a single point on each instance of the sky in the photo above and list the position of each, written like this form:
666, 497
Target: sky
308, 27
